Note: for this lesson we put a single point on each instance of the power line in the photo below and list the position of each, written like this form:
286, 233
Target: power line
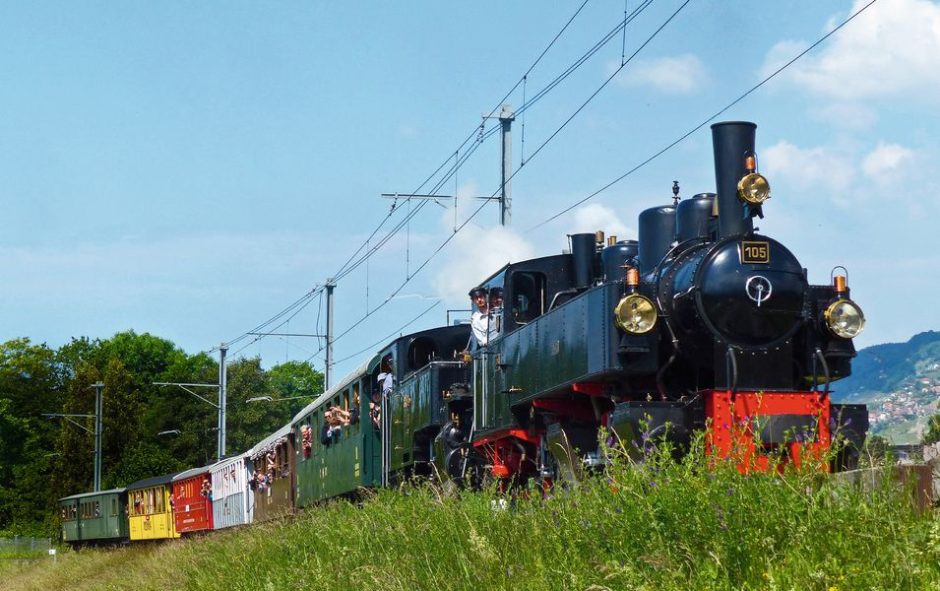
350, 266
539, 149
392, 334
344, 269
607, 38
286, 310
706, 121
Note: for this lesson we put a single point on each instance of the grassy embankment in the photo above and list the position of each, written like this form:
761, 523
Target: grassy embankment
661, 525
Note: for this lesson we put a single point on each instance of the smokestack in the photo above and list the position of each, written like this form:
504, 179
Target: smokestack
582, 256
732, 140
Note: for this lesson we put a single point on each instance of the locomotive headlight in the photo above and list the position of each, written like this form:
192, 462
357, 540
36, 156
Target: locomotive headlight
844, 319
753, 189
635, 314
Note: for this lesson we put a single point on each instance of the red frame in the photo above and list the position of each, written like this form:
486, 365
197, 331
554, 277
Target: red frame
192, 510
500, 449
730, 433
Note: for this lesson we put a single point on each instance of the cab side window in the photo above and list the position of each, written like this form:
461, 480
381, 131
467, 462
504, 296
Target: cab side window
528, 296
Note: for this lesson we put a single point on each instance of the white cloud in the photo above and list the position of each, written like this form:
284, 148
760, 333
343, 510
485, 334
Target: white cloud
808, 167
682, 74
848, 174
475, 254
890, 50
886, 161
595, 216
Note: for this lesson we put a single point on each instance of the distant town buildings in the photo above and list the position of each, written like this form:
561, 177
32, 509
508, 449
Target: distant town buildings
909, 406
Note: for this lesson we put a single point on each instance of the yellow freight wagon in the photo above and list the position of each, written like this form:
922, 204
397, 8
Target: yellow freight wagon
150, 509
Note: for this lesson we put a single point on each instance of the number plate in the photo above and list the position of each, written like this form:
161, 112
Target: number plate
754, 252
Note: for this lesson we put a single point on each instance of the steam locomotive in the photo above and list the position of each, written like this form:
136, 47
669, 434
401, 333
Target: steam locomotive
702, 324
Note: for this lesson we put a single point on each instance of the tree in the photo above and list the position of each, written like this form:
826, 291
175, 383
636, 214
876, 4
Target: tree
31, 385
295, 379
932, 433
144, 460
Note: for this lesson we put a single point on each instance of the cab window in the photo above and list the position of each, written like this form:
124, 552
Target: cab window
528, 296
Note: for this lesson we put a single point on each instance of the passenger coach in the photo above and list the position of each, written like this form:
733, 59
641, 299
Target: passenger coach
150, 509
96, 517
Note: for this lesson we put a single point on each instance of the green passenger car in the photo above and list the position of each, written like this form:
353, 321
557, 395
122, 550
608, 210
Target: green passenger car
373, 448
346, 459
95, 517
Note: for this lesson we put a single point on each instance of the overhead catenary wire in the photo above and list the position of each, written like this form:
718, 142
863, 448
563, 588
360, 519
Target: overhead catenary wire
628, 18
390, 335
684, 136
348, 266
299, 302
342, 271
352, 263
607, 38
538, 150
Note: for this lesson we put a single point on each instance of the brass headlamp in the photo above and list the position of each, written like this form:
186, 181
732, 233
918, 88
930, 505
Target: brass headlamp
843, 317
753, 187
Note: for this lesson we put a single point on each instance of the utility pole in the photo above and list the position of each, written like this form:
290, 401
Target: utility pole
327, 378
506, 118
99, 412
222, 380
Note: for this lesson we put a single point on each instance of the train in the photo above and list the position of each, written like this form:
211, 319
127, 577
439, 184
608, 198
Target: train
701, 325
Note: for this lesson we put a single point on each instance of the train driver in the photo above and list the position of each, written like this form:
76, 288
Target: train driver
480, 319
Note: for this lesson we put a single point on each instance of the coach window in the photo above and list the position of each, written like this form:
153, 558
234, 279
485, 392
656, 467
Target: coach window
528, 296
114, 507
357, 407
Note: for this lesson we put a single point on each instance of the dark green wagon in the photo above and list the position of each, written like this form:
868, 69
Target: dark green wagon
413, 410
95, 517
346, 459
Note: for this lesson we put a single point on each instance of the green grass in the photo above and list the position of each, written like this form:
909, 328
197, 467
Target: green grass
659, 525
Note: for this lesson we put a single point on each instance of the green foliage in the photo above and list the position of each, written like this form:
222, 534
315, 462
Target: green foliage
144, 460
43, 460
932, 434
663, 524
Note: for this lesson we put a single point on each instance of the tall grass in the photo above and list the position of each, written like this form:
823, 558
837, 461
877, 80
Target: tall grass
662, 524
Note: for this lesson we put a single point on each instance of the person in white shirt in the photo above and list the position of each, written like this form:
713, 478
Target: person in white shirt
387, 377
480, 319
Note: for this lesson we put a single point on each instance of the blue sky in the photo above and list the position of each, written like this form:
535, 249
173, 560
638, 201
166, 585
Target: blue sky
190, 169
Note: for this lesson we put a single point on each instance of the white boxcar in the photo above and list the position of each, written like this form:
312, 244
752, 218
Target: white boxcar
232, 502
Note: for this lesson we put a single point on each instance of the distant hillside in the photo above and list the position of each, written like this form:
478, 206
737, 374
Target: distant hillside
882, 368
900, 382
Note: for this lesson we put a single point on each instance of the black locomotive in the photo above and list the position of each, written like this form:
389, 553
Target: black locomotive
702, 322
